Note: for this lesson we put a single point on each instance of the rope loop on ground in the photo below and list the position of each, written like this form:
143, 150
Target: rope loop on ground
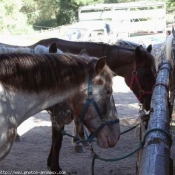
141, 145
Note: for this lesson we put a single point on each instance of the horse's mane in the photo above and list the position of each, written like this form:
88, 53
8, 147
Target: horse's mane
35, 73
132, 46
127, 44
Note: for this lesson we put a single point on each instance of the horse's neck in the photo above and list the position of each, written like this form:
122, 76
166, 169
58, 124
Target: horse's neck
93, 49
21, 106
119, 60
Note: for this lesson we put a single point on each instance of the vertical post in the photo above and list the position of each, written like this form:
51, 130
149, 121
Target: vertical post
156, 151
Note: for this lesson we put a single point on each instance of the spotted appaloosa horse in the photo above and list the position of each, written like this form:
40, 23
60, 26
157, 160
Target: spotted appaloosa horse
55, 78
123, 61
39, 49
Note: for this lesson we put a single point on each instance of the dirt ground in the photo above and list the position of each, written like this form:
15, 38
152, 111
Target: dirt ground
31, 153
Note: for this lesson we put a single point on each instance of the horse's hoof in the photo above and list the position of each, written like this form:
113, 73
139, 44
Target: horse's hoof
56, 169
79, 148
48, 167
18, 138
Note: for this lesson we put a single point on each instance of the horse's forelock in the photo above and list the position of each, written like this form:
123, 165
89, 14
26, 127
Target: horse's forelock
148, 59
107, 74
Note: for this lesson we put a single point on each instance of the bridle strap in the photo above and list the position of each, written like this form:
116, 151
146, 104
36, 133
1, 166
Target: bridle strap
92, 136
135, 77
90, 100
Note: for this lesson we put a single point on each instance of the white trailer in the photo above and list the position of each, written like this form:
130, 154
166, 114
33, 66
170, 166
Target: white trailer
128, 17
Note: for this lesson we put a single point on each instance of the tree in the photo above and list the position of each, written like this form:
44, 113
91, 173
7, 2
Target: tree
30, 9
41, 13
68, 12
11, 19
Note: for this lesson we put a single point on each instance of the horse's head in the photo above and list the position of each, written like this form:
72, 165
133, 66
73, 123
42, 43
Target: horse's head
96, 107
141, 77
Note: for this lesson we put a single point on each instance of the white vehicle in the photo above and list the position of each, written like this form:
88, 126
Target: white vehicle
86, 31
128, 17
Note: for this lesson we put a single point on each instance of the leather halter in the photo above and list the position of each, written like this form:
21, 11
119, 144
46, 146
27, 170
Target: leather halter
90, 100
135, 77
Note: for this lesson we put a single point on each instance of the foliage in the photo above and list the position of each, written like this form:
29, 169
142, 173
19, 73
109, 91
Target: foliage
30, 9
18, 16
68, 12
40, 12
11, 19
45, 24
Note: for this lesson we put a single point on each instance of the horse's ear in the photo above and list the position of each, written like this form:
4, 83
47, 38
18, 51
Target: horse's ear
138, 51
83, 53
173, 32
53, 48
100, 64
149, 48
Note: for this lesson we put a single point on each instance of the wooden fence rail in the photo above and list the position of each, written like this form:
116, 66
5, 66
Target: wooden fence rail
156, 152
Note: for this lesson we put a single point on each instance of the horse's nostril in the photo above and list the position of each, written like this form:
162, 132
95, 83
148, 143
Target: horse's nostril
146, 106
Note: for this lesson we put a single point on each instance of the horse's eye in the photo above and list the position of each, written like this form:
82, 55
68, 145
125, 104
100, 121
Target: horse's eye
108, 92
100, 81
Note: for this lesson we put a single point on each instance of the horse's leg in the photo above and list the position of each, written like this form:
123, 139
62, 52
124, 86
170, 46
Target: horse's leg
53, 158
79, 132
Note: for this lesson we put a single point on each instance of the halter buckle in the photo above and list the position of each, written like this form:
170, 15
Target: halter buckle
141, 92
103, 121
89, 96
134, 72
